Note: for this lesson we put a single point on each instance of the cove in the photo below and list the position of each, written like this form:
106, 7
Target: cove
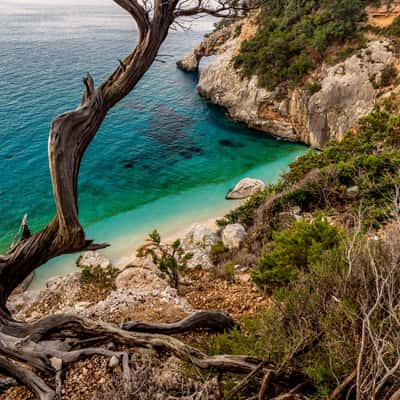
164, 157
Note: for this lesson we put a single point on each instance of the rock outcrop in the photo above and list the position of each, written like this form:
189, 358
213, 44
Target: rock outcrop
199, 235
198, 240
245, 188
211, 45
233, 235
344, 92
91, 259
139, 293
384, 13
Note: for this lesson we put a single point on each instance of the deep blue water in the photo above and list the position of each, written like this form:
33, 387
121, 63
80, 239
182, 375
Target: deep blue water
161, 141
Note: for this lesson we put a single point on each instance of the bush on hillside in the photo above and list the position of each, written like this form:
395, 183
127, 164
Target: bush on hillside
294, 250
317, 321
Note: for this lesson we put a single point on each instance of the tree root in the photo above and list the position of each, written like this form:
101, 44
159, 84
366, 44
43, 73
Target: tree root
27, 377
56, 341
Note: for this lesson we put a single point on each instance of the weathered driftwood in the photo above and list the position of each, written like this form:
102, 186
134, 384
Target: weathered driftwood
202, 320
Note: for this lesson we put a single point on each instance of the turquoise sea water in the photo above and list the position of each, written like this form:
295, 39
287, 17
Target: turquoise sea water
163, 158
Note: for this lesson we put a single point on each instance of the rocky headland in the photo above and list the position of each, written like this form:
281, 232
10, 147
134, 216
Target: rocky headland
328, 104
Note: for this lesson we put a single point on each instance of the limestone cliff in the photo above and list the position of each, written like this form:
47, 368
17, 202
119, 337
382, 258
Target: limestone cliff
345, 91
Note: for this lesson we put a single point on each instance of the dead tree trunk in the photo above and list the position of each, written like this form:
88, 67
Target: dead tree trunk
22, 348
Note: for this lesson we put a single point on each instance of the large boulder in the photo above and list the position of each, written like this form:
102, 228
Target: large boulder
245, 189
199, 235
233, 235
93, 259
189, 63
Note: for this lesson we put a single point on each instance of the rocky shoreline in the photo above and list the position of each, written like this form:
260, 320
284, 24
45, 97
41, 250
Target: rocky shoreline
139, 291
138, 283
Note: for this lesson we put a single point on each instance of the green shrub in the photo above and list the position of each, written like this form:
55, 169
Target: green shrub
217, 250
394, 28
388, 75
369, 159
314, 324
293, 250
103, 278
313, 87
245, 213
229, 271
293, 38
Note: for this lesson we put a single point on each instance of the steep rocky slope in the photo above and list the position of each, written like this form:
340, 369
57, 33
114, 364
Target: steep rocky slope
342, 93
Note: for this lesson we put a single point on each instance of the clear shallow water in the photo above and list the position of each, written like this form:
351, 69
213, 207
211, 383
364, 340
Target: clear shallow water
163, 158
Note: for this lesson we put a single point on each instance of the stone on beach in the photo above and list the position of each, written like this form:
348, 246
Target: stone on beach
246, 188
199, 235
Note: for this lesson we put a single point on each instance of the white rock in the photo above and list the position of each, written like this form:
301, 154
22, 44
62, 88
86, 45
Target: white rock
82, 305
92, 259
200, 259
140, 279
233, 235
134, 261
114, 362
353, 190
56, 363
246, 188
199, 235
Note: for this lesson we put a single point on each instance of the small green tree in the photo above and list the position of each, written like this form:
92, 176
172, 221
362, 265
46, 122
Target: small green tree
171, 259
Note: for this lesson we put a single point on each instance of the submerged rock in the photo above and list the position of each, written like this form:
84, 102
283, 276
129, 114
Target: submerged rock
246, 188
233, 235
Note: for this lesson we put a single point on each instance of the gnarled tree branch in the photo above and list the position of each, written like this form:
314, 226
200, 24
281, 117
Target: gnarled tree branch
26, 347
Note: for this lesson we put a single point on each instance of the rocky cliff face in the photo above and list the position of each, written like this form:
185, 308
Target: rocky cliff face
383, 14
345, 91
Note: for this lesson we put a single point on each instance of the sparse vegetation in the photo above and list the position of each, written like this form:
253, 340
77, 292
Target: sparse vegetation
394, 28
388, 75
170, 259
313, 87
295, 36
318, 320
334, 310
229, 272
102, 278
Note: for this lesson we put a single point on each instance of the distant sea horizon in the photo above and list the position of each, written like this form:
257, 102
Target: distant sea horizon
164, 157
